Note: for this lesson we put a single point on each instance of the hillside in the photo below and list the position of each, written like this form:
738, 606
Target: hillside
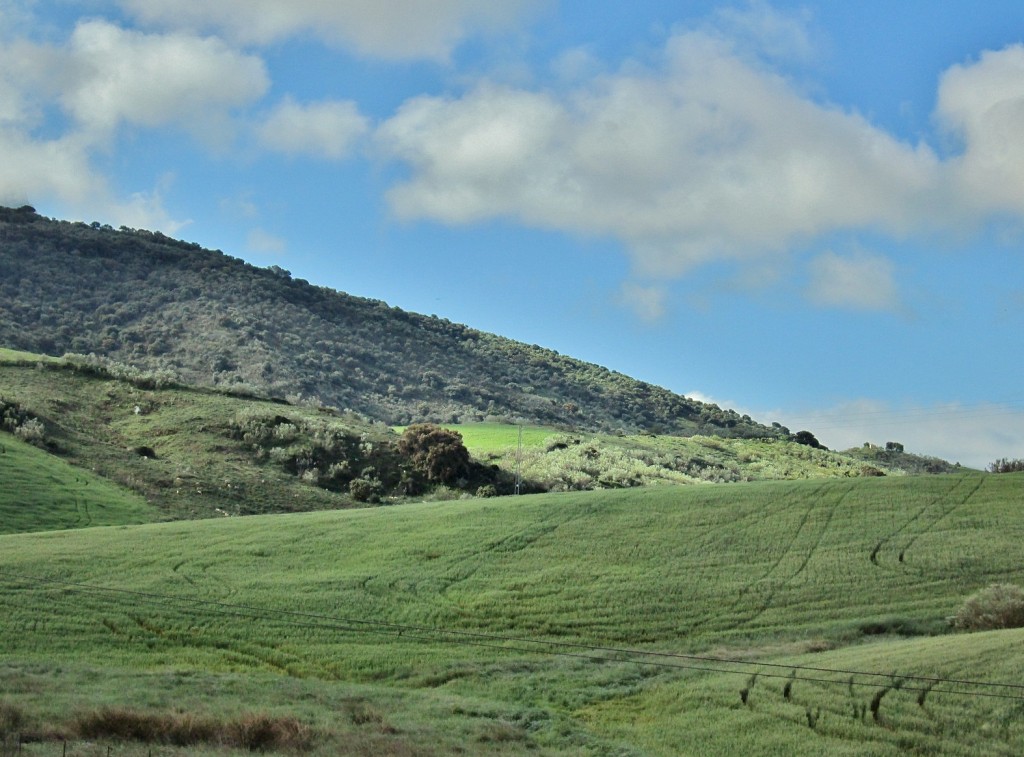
187, 452
146, 300
794, 618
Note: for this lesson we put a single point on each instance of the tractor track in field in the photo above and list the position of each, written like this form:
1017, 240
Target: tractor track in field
733, 611
462, 567
247, 651
519, 540
213, 584
873, 557
775, 587
956, 505
84, 514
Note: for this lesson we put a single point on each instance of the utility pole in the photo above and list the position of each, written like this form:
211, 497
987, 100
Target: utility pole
519, 459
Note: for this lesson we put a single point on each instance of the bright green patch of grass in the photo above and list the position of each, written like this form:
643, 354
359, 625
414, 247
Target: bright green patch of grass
41, 492
17, 356
483, 439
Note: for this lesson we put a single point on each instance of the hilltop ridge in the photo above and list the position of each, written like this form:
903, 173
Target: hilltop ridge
145, 299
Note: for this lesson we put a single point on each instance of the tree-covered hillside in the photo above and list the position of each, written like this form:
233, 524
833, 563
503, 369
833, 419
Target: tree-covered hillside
145, 299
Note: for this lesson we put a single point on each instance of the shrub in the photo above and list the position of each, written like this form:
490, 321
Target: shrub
31, 431
996, 606
364, 490
436, 452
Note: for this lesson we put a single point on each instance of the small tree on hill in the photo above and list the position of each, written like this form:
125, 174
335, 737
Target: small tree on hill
438, 453
807, 438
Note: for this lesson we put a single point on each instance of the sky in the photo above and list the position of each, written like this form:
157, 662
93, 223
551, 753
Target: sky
809, 212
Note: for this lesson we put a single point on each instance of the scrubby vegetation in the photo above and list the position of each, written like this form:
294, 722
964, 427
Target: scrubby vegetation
892, 457
197, 453
175, 311
1005, 465
202, 452
997, 606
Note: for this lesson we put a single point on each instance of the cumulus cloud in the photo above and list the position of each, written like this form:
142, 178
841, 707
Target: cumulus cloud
710, 154
982, 103
393, 29
101, 78
706, 157
322, 129
860, 282
111, 75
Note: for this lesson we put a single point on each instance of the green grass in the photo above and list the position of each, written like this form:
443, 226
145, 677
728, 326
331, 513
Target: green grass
41, 492
483, 439
865, 569
17, 356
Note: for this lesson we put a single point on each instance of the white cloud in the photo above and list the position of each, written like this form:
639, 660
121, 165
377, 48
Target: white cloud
772, 33
32, 168
705, 158
80, 92
112, 75
710, 155
861, 282
974, 435
982, 103
322, 129
394, 29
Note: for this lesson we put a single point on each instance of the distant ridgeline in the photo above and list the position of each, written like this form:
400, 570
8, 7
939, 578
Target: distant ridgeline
147, 300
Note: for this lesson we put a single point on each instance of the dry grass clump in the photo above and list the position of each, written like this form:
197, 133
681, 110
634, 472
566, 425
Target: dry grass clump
994, 607
255, 732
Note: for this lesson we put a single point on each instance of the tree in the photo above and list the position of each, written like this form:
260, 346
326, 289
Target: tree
807, 438
438, 453
893, 447
1005, 465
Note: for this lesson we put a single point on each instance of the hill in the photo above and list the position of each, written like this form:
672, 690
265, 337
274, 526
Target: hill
186, 452
159, 304
773, 618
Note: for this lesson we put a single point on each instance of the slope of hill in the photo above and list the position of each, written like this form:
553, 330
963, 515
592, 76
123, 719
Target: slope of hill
199, 452
41, 492
781, 617
150, 301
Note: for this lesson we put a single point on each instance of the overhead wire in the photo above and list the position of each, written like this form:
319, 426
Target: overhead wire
589, 652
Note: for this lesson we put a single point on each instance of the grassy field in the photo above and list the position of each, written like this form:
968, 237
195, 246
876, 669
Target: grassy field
41, 492
516, 625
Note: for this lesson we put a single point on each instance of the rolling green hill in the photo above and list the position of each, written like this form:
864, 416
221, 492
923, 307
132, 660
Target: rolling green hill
528, 625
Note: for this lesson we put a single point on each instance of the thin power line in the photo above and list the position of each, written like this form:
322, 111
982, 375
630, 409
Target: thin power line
497, 641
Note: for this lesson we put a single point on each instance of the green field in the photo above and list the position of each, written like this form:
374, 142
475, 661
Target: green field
526, 625
41, 492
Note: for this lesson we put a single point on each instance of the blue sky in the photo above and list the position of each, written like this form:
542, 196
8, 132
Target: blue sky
809, 212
